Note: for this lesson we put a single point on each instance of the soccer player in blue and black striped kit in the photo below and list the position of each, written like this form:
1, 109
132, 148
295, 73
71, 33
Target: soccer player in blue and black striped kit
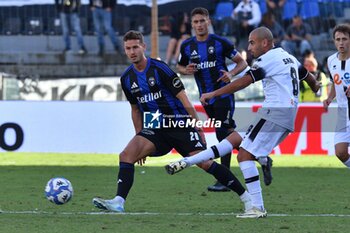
204, 57
151, 87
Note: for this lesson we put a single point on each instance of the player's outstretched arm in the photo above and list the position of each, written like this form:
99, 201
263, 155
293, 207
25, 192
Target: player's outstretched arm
233, 87
312, 82
241, 64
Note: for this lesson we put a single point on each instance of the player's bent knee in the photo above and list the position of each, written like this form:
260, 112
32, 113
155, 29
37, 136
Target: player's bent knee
342, 156
123, 156
244, 155
235, 139
341, 151
126, 157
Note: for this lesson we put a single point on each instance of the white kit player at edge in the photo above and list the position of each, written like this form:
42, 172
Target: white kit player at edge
339, 68
280, 73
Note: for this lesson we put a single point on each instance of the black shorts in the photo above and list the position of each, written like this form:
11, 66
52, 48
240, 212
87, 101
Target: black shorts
222, 109
184, 140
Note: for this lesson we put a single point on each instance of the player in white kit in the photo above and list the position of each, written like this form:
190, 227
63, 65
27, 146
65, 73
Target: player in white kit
280, 73
339, 68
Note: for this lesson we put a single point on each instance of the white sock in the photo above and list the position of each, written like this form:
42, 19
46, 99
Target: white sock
347, 163
119, 199
224, 147
247, 201
249, 170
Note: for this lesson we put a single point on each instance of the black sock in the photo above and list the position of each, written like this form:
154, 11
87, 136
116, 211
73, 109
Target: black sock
226, 160
226, 177
125, 179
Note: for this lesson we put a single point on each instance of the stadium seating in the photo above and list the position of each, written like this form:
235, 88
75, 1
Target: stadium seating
310, 13
12, 26
143, 24
223, 23
164, 24
54, 26
15, 20
121, 24
290, 9
262, 5
33, 26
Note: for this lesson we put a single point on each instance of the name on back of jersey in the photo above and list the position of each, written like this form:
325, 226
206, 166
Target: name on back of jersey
288, 61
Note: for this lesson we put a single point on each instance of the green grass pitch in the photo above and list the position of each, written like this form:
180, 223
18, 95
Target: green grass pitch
308, 194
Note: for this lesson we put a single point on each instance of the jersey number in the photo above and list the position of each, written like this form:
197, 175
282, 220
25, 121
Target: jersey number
194, 136
295, 83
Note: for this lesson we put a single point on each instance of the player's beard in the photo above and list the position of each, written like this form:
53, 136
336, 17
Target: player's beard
136, 60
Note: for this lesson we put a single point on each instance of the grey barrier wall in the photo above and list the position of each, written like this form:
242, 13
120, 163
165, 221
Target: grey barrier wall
26, 87
9, 89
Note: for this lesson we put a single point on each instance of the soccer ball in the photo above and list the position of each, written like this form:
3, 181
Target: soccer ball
59, 190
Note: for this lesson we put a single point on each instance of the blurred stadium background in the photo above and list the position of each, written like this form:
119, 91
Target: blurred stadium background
33, 67
31, 45
63, 109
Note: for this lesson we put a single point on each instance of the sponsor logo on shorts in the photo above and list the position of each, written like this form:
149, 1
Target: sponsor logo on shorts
147, 131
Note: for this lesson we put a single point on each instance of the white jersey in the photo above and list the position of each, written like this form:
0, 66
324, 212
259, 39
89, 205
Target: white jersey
340, 76
279, 72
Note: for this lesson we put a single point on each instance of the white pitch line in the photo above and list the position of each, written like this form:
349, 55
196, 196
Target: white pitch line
155, 213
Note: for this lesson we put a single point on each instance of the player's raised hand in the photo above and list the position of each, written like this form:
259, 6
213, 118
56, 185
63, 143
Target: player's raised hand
225, 77
206, 97
191, 68
141, 162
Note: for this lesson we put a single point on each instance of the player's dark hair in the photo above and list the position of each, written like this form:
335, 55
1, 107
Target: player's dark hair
199, 11
344, 28
133, 35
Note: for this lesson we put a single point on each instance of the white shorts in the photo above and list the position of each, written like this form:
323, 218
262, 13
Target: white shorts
262, 137
342, 136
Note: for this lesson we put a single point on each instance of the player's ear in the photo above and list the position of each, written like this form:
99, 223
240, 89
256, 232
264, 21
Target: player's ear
265, 42
209, 21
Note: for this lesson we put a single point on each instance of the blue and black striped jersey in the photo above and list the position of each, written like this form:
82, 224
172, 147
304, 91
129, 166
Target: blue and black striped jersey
210, 56
154, 89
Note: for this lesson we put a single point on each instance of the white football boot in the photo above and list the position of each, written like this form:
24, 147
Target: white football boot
253, 213
176, 167
110, 205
